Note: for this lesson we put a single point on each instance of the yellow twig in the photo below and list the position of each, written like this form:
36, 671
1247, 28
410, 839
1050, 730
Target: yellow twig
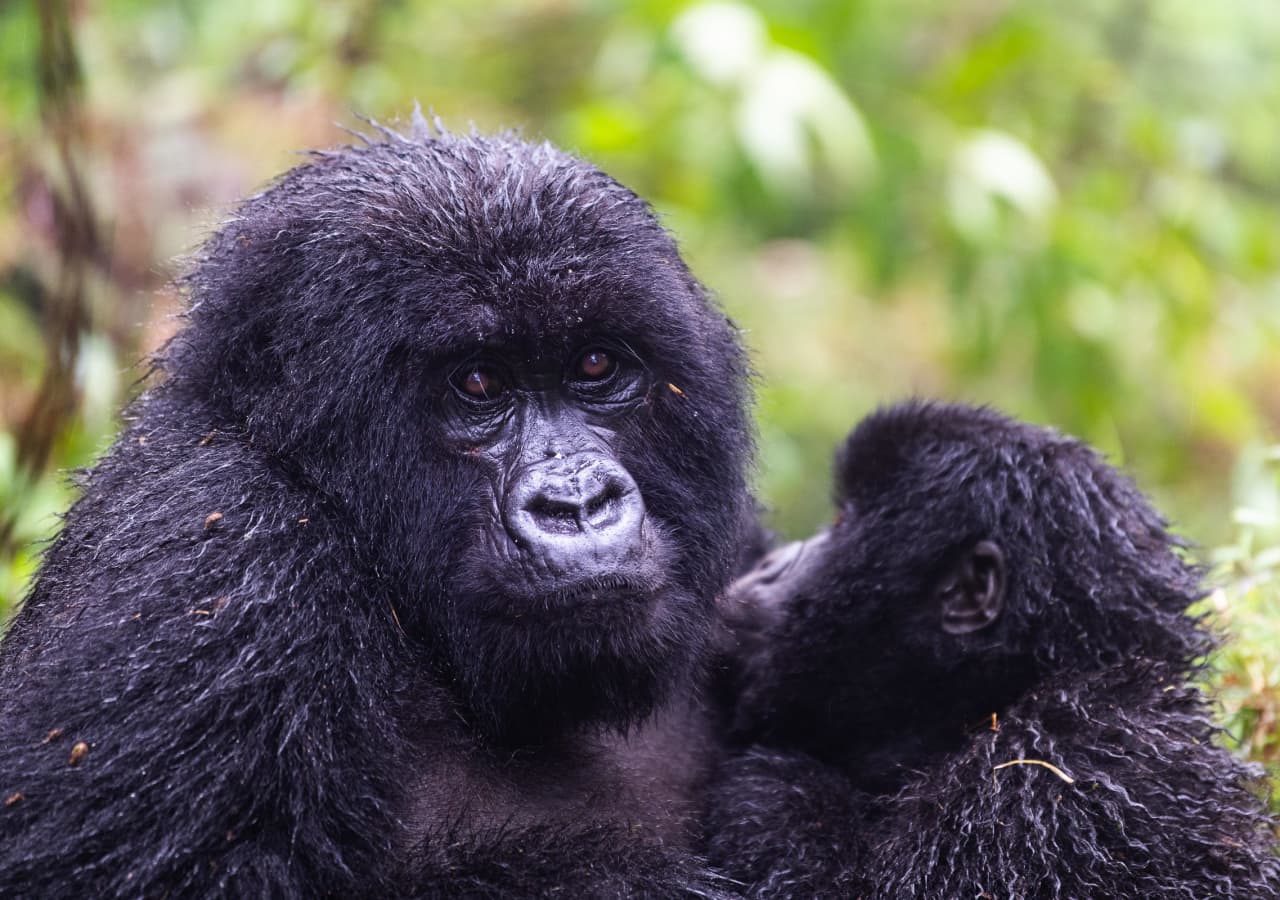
1037, 762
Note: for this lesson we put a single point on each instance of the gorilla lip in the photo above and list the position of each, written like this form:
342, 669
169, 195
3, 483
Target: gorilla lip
613, 591
601, 588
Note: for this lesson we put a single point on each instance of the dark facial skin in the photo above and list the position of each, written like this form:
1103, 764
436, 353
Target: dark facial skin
566, 554
568, 519
852, 641
756, 600
775, 578
561, 585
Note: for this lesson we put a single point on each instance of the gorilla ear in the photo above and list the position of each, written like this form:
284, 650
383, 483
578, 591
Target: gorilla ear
971, 594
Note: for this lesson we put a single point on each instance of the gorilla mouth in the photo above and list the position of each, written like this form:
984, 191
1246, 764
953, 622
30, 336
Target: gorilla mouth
606, 585
602, 589
622, 593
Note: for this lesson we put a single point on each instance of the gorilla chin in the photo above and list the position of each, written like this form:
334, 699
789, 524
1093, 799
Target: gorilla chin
594, 603
546, 658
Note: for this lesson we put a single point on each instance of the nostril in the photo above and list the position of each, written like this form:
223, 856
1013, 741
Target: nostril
553, 515
593, 505
603, 500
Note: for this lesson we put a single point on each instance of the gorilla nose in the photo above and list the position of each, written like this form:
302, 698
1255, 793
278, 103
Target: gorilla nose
589, 509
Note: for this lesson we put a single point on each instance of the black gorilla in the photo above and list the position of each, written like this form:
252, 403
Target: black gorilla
975, 684
400, 580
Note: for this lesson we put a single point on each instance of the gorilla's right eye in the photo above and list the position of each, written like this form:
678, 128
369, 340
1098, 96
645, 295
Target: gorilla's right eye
595, 364
479, 382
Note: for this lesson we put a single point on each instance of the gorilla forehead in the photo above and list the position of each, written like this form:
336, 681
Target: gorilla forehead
388, 261
464, 240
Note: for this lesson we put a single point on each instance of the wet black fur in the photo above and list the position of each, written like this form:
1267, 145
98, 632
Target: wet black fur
252, 618
874, 740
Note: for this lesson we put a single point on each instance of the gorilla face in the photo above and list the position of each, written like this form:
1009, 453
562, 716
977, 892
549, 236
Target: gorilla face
566, 522
492, 358
563, 603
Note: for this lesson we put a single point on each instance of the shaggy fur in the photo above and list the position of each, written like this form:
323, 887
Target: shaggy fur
1060, 752
255, 662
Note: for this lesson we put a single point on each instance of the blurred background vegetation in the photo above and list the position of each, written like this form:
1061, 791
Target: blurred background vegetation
1068, 210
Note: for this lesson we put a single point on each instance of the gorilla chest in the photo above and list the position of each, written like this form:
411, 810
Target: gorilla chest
651, 779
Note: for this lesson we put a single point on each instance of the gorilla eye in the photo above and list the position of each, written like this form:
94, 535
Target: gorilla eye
479, 382
595, 365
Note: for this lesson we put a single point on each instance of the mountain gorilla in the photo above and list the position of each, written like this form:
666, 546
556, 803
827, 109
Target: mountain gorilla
400, 581
975, 684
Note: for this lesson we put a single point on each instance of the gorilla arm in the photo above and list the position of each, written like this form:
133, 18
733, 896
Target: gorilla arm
165, 728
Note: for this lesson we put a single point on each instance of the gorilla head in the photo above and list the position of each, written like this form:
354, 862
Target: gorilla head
972, 556
491, 359
987, 536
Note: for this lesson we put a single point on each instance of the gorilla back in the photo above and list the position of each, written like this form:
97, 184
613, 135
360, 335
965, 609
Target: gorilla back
400, 576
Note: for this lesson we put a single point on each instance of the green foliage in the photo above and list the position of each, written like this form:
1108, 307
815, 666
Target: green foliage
1066, 210
1246, 603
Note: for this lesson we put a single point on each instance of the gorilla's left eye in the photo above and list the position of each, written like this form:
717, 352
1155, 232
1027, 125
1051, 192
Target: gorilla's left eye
479, 382
594, 364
